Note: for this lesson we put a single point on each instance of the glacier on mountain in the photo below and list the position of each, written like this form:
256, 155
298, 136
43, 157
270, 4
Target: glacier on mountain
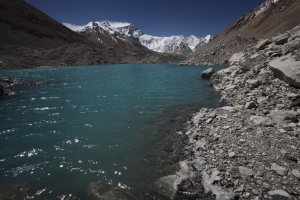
172, 44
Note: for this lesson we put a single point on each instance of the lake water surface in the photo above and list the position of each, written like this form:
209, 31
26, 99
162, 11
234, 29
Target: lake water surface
92, 123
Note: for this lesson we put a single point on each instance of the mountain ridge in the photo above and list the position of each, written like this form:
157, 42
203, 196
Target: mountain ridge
265, 21
154, 43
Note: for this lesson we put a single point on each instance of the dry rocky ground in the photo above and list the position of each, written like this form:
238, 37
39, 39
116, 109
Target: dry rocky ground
250, 149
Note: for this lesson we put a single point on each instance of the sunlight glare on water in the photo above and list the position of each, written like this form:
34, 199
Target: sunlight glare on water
70, 126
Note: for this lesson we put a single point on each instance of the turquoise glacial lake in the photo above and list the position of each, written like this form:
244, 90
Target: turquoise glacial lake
67, 127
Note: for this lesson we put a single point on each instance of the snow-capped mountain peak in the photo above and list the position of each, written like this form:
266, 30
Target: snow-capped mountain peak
175, 43
208, 38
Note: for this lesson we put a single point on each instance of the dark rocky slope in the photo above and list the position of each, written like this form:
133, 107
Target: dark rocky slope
12, 57
246, 31
23, 25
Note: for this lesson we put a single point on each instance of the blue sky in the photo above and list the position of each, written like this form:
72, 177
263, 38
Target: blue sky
154, 17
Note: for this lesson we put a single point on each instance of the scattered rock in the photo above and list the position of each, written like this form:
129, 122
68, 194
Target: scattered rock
279, 194
231, 154
250, 105
280, 116
236, 58
296, 173
244, 171
253, 83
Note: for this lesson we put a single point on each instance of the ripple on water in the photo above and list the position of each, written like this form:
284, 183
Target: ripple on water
93, 123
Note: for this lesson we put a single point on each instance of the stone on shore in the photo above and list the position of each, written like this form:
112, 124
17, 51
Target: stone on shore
207, 73
286, 68
165, 186
103, 191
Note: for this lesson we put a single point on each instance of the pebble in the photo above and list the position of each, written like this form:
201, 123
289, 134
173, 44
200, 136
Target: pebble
279, 170
244, 171
231, 154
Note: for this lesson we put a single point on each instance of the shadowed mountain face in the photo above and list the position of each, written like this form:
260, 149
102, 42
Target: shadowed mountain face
265, 21
23, 25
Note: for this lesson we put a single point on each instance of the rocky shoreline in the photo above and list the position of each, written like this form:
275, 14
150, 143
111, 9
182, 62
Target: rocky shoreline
4, 85
246, 150
250, 149
14, 57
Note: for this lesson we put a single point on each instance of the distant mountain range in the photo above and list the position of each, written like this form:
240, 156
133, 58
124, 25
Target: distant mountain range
100, 32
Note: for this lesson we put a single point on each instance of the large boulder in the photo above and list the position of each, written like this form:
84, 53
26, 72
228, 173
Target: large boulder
165, 186
103, 191
286, 68
281, 38
236, 58
262, 44
207, 73
290, 47
295, 33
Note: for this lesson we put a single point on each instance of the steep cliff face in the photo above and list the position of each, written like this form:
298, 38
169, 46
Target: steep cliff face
265, 21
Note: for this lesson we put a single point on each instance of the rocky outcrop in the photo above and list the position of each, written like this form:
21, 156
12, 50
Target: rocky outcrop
4, 84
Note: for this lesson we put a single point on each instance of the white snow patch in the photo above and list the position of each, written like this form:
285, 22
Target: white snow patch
73, 26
